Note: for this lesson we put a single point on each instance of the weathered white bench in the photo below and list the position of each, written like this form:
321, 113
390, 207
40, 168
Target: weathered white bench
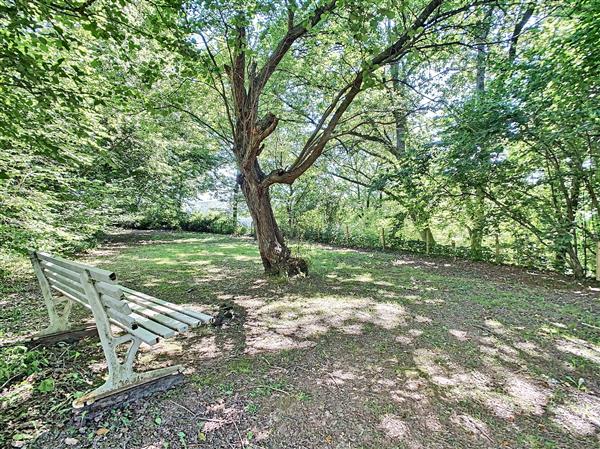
140, 317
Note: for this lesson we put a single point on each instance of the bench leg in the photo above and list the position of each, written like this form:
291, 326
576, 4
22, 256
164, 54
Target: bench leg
121, 376
59, 319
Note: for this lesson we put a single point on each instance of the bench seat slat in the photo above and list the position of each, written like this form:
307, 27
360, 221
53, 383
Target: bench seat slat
150, 338
113, 290
163, 310
55, 277
116, 304
72, 292
153, 326
96, 273
108, 301
143, 334
158, 317
126, 320
191, 313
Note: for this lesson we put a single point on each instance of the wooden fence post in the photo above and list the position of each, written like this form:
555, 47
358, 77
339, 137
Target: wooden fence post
598, 260
383, 238
497, 248
427, 243
347, 235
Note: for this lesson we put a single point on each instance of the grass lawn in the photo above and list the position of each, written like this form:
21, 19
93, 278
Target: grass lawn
373, 350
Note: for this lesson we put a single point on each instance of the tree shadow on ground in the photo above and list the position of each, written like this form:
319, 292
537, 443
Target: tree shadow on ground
366, 352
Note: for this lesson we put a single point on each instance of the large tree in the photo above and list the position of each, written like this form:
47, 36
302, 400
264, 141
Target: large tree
243, 44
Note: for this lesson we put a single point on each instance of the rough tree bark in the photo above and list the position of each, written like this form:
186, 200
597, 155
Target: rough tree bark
399, 81
235, 206
275, 255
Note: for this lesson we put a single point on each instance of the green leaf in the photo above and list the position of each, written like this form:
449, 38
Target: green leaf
46, 386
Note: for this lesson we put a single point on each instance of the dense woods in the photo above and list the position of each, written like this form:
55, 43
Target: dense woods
452, 127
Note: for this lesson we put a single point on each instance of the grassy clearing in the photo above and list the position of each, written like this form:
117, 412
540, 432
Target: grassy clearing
372, 350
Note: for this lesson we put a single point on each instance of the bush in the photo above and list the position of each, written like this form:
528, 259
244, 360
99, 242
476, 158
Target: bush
155, 218
214, 222
161, 218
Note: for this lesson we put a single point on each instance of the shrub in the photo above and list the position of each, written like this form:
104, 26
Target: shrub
155, 218
214, 222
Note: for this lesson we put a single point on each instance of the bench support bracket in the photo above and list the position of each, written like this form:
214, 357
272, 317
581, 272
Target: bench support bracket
121, 376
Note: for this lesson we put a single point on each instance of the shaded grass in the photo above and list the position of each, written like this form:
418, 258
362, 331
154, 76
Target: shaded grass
403, 322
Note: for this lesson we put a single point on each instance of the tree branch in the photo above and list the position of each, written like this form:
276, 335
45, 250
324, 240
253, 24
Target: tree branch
512, 51
292, 35
316, 143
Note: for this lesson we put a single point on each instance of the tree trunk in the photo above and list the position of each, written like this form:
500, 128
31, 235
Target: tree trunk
247, 82
574, 262
234, 206
276, 256
427, 235
476, 236
290, 211
400, 115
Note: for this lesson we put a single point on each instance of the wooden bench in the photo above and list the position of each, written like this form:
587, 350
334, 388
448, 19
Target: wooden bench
140, 318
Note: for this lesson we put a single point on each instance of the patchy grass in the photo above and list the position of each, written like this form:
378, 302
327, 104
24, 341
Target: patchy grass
374, 349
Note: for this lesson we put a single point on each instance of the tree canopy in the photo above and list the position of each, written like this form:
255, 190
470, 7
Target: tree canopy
456, 127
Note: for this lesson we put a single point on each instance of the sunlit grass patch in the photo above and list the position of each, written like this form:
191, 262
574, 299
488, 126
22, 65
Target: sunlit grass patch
407, 350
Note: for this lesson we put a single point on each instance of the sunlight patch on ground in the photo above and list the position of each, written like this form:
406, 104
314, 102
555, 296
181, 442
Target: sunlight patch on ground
222, 415
496, 327
198, 262
394, 427
246, 259
472, 425
580, 414
212, 275
504, 392
368, 277
204, 348
340, 377
459, 335
164, 348
531, 349
579, 347
22, 392
409, 337
290, 323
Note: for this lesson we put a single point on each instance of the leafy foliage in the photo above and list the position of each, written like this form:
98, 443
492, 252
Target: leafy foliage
471, 132
18, 361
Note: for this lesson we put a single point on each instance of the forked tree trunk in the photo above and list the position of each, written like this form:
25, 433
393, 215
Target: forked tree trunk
247, 83
275, 255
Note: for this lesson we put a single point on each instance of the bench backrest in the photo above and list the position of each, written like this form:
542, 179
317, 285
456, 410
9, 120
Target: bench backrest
70, 278
142, 316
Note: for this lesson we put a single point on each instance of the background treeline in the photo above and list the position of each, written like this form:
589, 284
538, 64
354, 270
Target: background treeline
487, 150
